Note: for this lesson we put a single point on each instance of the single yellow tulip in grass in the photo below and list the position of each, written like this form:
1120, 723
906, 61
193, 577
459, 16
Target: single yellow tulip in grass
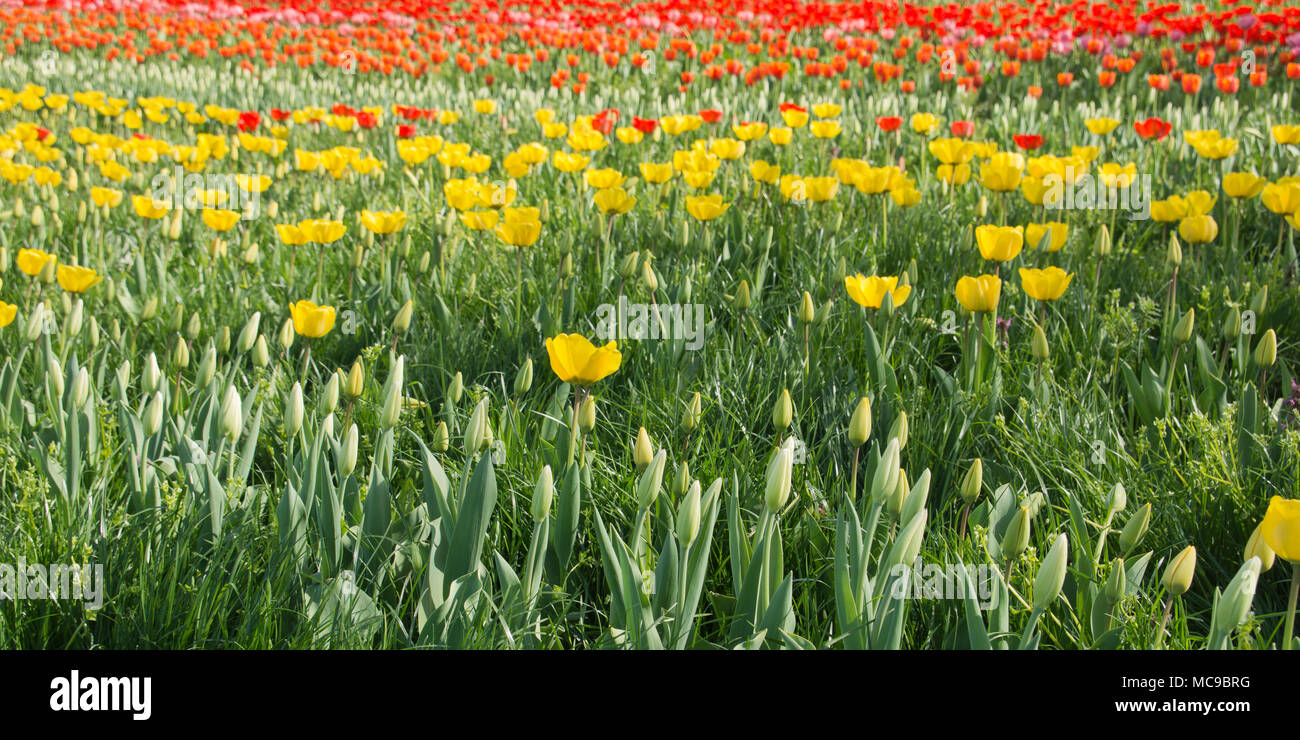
383, 222
979, 294
870, 291
7, 313
706, 207
999, 243
77, 279
575, 360
32, 261
1281, 532
1047, 284
310, 320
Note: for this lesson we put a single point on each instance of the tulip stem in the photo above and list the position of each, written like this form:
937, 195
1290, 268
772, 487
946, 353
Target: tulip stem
1289, 625
1160, 634
853, 479
961, 528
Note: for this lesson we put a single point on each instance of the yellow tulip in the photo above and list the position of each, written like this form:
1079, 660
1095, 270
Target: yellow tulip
383, 222
1173, 208
1046, 284
820, 189
485, 107
7, 313
794, 118
706, 207
219, 219
1282, 199
870, 291
952, 151
763, 172
923, 123
519, 231
310, 320
1281, 528
77, 279
601, 179
979, 294
826, 110
614, 201
106, 196
32, 261
1000, 176
629, 135
1286, 134
1101, 126
1243, 184
569, 162
290, 234
781, 136
1198, 228
999, 243
1034, 234
656, 173
146, 207
749, 131
826, 129
575, 360
321, 230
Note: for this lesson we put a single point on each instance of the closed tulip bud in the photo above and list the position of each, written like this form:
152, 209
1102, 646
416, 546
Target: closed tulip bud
261, 353
982, 207
860, 422
1178, 575
1039, 348
174, 227
392, 408
587, 415
35, 323
895, 500
425, 260
250, 255
1116, 584
223, 339
822, 312
348, 452
153, 415
524, 377
543, 493
1266, 350
273, 209
476, 431
973, 483
688, 516
193, 327
287, 334
181, 354
177, 319
327, 426
1235, 602
741, 301
358, 255
1259, 302
691, 417
780, 471
232, 414
899, 430
1117, 499
1174, 254
115, 330
651, 480
66, 300
150, 308
441, 437
356, 380
1016, 538
207, 367
807, 312
293, 411
93, 332
841, 271
1183, 330
1256, 547
642, 450
1101, 246
887, 472
248, 334
402, 321
1133, 530
1232, 323
330, 398
648, 278
782, 411
4, 259
54, 376
150, 376
886, 311
688, 290
1051, 573
456, 389
628, 267
38, 217
48, 272
80, 388
681, 480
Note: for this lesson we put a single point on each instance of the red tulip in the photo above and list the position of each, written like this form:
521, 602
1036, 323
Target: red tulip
889, 123
1153, 128
711, 115
644, 125
1028, 142
963, 129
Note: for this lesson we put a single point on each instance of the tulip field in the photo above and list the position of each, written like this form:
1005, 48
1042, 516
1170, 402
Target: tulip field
642, 325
